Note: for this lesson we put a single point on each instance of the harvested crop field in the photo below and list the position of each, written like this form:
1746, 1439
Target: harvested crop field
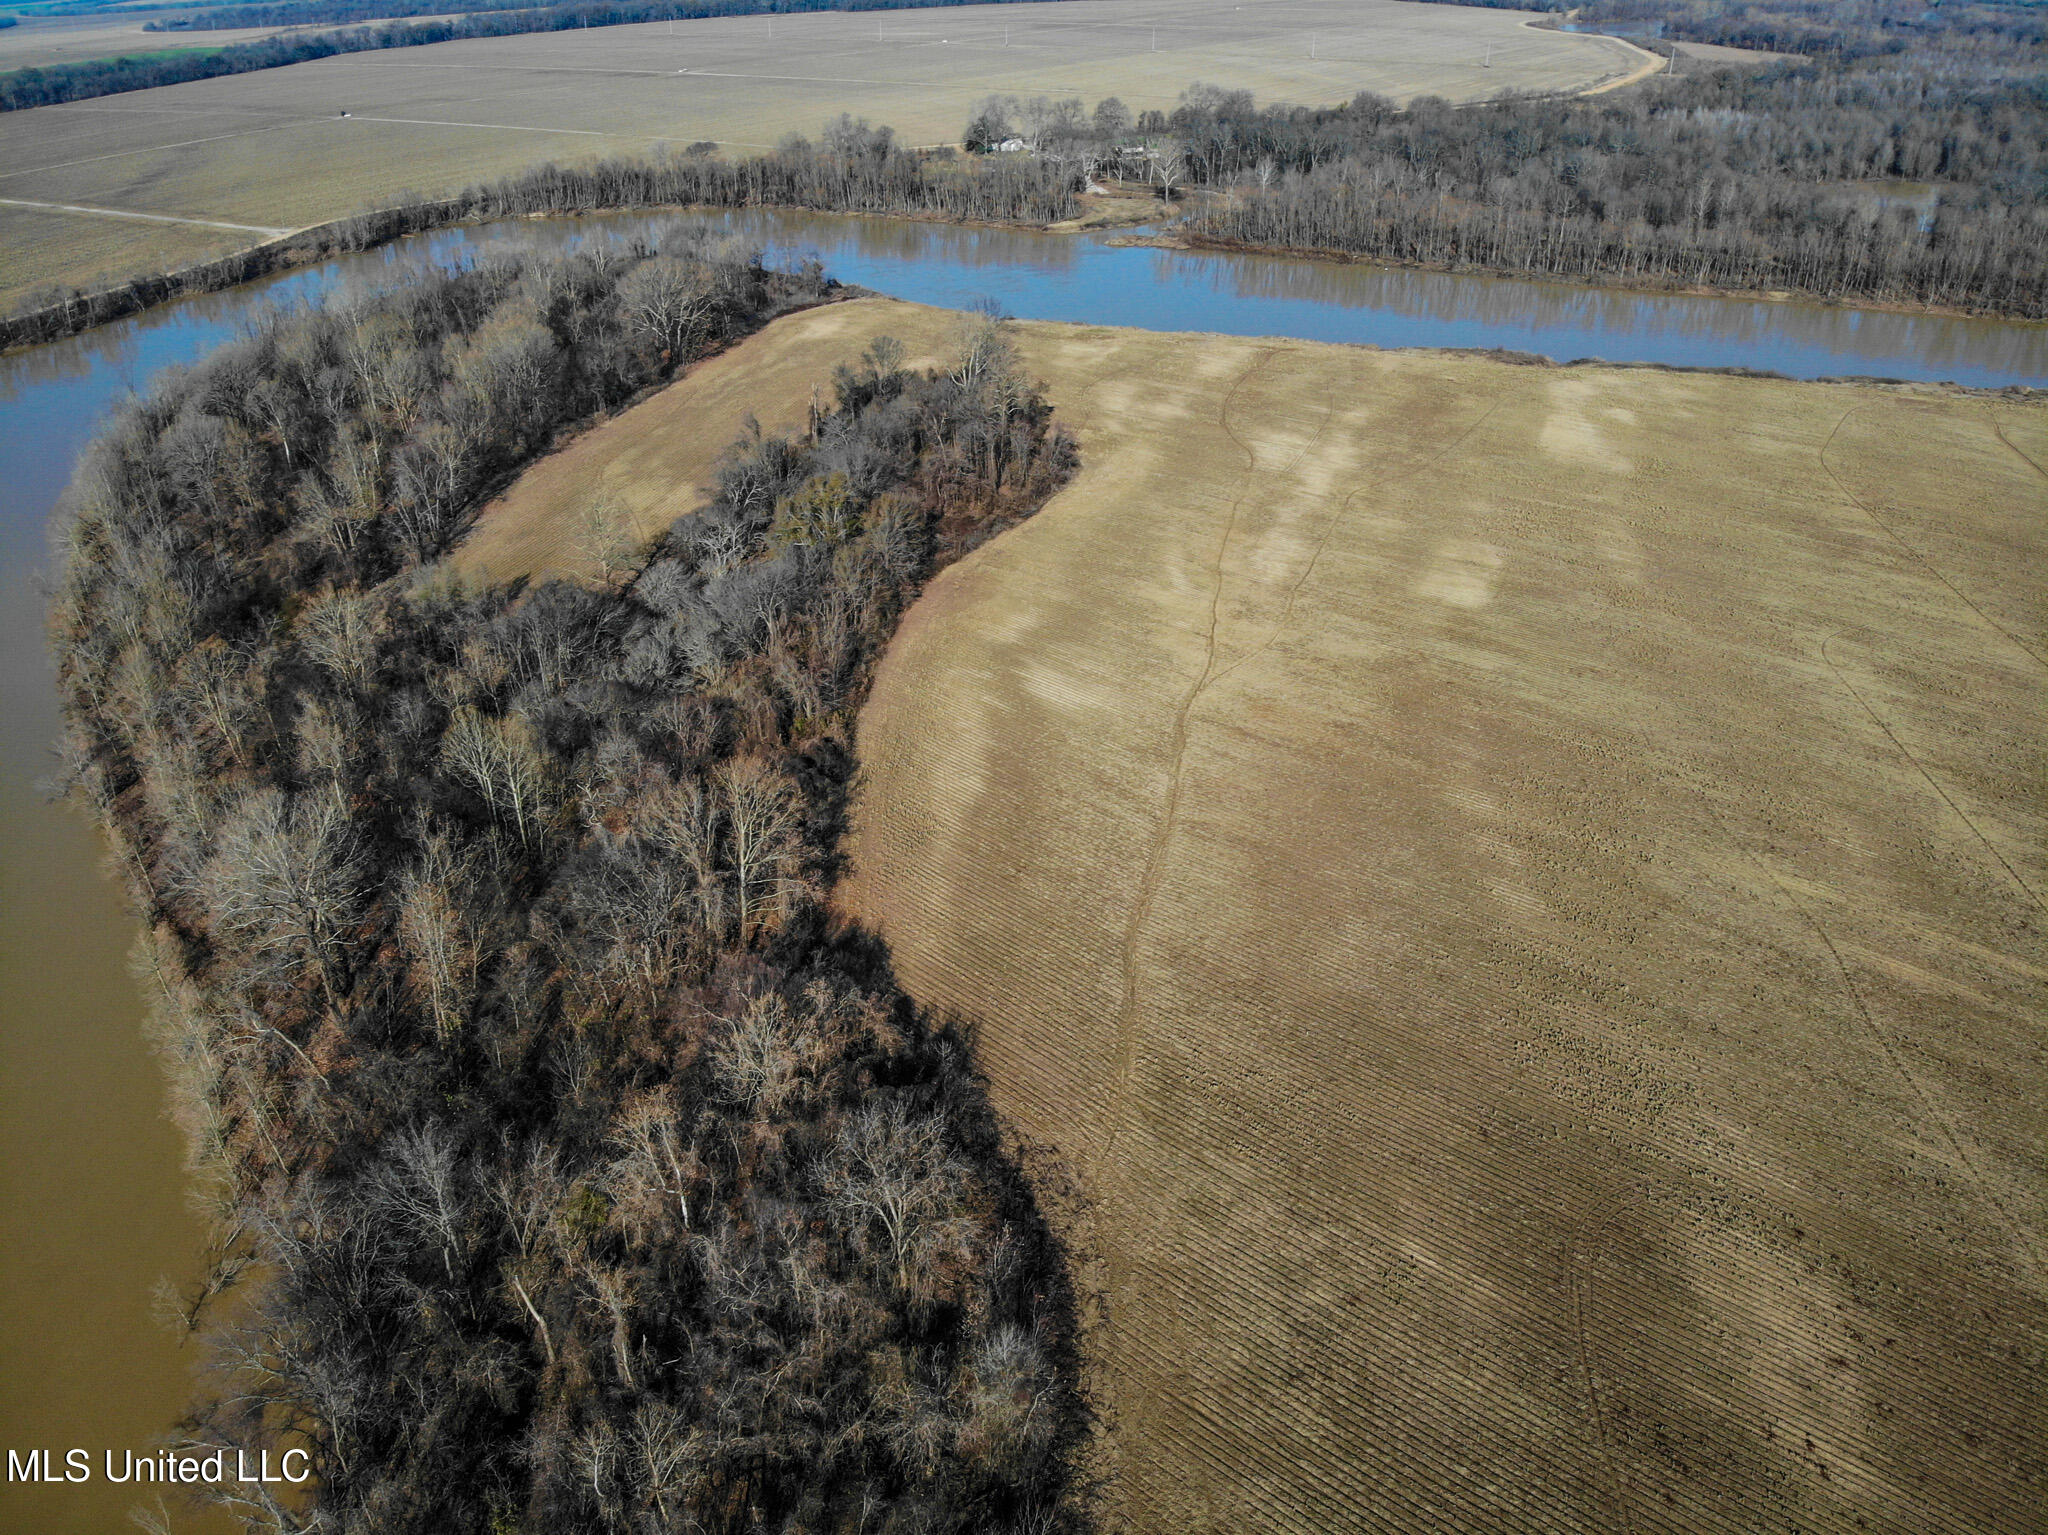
119, 247
38, 42
273, 148
1515, 895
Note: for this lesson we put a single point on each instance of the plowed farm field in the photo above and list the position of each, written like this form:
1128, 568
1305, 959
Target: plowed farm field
291, 147
1507, 904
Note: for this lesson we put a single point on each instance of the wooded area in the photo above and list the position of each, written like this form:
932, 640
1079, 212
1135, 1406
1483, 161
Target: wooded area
1731, 180
1999, 32
594, 1178
1906, 162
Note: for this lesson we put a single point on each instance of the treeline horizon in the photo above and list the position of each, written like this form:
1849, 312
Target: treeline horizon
54, 84
595, 1177
1838, 31
349, 12
1735, 180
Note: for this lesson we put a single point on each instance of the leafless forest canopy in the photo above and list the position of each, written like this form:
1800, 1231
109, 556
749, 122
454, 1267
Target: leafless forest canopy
595, 1180
1905, 161
1732, 181
2000, 32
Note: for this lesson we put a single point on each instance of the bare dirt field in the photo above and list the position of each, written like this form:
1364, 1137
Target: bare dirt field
273, 148
1517, 895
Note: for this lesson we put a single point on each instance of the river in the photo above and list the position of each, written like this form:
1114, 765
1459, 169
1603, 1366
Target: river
92, 1191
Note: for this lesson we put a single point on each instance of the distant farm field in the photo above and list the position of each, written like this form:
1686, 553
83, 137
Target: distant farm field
1516, 894
274, 149
41, 41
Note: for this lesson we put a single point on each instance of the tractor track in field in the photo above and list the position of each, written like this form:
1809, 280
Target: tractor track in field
2031, 462
1896, 537
1919, 766
1155, 862
1582, 1258
2027, 1244
2021, 1239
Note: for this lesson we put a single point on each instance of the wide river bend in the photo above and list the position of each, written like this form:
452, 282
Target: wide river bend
92, 1207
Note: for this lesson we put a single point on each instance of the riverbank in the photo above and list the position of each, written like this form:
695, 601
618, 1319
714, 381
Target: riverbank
1119, 209
1185, 242
81, 312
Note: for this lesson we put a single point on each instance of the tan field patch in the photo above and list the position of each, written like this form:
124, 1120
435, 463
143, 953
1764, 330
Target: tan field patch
1518, 894
273, 148
653, 463
119, 248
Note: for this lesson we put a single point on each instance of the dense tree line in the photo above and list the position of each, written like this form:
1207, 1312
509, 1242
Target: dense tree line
1735, 179
1993, 31
47, 85
1835, 30
853, 169
1771, 178
595, 1181
329, 13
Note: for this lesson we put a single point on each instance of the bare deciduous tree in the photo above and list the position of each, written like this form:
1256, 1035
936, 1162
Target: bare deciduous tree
288, 883
667, 303
419, 1186
339, 631
435, 932
983, 348
763, 822
657, 1167
669, 1455
760, 1059
525, 1191
1171, 169
604, 535
501, 760
895, 1169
